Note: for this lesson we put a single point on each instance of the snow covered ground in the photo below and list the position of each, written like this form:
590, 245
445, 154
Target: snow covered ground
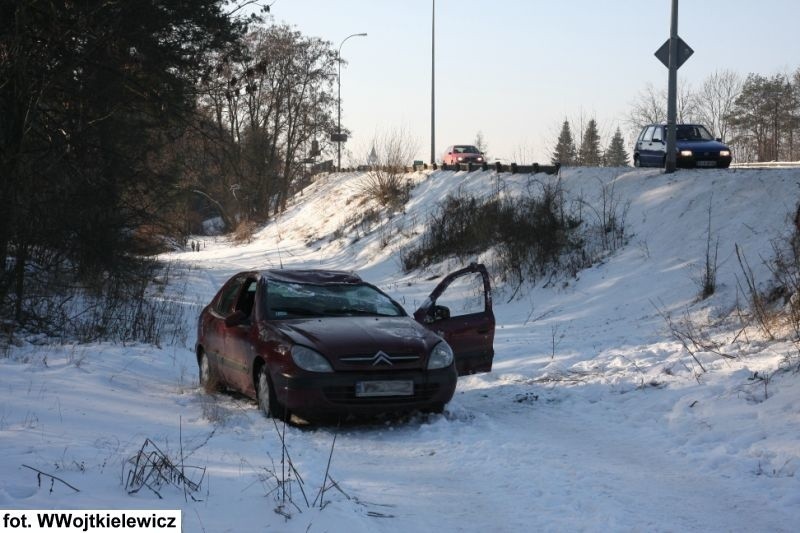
594, 418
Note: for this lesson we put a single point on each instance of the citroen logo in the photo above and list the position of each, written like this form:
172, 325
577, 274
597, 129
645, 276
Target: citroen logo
382, 358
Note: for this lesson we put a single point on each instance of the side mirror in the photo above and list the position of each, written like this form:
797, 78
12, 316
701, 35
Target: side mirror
236, 318
440, 312
719, 139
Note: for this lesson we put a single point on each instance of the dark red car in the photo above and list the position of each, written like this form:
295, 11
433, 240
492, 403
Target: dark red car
325, 344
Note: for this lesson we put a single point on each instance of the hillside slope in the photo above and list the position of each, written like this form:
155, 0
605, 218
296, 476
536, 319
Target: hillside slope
595, 417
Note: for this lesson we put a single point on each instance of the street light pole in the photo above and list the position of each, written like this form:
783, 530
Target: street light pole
433, 85
339, 102
672, 90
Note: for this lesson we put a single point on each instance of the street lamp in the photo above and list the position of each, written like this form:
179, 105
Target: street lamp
339, 103
433, 84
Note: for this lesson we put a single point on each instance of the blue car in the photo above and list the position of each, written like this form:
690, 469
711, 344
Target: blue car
695, 147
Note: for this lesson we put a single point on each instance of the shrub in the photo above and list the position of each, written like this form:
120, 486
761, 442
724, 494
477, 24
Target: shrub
530, 234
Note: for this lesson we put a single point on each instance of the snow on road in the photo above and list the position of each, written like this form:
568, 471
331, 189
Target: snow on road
594, 417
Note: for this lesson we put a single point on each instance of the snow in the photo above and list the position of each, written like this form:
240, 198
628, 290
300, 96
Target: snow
594, 418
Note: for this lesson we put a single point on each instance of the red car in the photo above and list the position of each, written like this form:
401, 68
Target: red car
462, 153
325, 344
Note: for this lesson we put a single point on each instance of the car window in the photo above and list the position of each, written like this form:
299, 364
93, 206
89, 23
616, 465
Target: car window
466, 150
224, 304
648, 134
464, 296
286, 300
692, 133
247, 297
658, 134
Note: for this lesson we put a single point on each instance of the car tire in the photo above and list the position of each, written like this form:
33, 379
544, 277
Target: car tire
636, 162
207, 377
267, 402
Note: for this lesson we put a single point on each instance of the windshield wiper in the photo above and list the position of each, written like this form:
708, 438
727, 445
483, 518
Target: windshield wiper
353, 312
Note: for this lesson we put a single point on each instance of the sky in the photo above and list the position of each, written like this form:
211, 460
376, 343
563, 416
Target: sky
514, 70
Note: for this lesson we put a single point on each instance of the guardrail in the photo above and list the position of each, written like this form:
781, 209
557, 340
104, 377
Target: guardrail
768, 164
498, 167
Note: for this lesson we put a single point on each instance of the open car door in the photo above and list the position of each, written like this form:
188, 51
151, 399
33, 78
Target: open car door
460, 310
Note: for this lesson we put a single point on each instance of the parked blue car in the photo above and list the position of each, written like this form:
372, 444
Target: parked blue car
695, 146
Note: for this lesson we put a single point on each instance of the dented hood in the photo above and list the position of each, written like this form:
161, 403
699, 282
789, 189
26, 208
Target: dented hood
354, 342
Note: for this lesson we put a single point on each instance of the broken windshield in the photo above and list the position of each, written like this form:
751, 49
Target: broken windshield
286, 300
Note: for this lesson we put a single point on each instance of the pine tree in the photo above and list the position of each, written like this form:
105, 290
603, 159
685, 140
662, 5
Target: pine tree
615, 155
589, 155
564, 153
91, 95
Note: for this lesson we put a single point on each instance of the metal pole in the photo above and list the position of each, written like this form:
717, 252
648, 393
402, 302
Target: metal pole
339, 102
433, 84
672, 90
339, 112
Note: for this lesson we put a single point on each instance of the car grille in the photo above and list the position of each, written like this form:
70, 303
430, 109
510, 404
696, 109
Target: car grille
347, 395
381, 361
706, 156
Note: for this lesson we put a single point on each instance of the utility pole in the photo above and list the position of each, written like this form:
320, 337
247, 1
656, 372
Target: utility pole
672, 90
672, 54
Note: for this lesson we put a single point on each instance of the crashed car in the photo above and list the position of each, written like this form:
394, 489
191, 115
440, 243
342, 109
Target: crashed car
324, 344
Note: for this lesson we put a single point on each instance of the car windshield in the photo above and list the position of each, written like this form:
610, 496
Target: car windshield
692, 133
466, 150
287, 300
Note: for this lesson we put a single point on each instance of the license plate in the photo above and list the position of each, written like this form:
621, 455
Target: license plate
365, 389
706, 163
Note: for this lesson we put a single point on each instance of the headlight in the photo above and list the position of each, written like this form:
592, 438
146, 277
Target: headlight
686, 153
460, 158
441, 356
308, 359
724, 153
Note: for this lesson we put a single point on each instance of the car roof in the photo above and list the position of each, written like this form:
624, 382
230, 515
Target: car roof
313, 276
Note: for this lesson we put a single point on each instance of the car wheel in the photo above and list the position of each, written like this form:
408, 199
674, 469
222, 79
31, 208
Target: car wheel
636, 162
208, 378
267, 401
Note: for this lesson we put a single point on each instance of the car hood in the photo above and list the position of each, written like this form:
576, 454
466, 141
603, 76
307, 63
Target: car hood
710, 146
351, 343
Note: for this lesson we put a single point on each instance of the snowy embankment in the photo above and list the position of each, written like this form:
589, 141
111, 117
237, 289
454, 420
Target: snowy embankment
595, 416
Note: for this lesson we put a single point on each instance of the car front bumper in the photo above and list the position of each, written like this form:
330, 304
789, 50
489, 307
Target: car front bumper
333, 395
711, 160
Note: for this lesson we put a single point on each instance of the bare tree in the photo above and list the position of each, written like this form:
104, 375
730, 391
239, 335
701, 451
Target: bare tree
650, 107
716, 99
268, 105
480, 143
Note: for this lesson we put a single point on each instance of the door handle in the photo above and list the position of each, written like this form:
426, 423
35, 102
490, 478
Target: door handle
483, 331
